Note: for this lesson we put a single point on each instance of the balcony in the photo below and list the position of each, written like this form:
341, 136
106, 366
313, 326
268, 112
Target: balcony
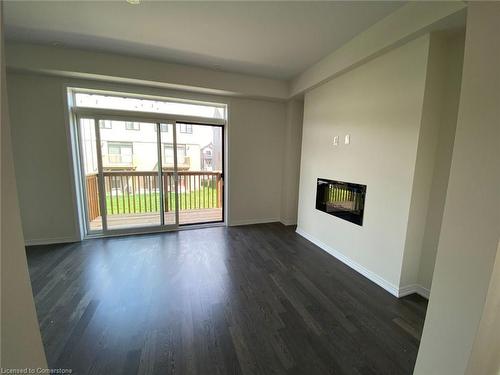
133, 198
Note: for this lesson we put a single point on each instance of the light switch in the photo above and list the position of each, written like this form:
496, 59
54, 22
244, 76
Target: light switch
336, 140
347, 139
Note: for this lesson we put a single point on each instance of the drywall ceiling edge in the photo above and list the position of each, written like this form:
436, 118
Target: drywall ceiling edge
410, 21
77, 63
401, 26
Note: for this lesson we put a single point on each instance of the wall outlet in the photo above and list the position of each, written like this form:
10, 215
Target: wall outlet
347, 139
336, 140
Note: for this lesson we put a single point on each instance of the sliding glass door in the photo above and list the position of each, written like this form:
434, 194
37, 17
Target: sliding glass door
169, 174
144, 176
89, 170
200, 173
130, 169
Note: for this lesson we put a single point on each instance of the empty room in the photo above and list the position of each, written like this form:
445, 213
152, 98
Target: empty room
250, 187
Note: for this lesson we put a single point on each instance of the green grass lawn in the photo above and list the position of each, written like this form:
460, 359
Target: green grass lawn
125, 204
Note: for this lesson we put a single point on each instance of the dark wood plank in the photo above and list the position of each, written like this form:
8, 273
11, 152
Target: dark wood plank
256, 299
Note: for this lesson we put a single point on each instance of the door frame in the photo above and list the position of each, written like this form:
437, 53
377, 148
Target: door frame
97, 114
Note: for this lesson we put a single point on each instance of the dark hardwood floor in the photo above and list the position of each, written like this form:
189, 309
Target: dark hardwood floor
255, 299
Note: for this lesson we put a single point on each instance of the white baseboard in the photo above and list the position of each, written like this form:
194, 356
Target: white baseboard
391, 288
234, 223
286, 221
414, 288
49, 241
424, 292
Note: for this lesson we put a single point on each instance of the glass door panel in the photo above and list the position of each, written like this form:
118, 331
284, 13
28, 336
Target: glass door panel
200, 161
168, 163
144, 174
90, 171
131, 173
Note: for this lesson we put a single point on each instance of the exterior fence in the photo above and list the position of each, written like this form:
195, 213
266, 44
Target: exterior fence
139, 192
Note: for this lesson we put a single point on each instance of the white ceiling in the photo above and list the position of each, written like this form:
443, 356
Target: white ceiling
270, 39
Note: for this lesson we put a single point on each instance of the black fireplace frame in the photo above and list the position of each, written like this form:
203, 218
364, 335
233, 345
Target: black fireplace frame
345, 200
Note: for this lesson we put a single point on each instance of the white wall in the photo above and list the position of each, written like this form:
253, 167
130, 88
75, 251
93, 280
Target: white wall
41, 155
452, 47
20, 341
485, 358
379, 104
291, 161
471, 222
435, 140
255, 157
41, 152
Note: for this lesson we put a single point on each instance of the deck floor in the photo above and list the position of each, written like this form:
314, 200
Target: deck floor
120, 221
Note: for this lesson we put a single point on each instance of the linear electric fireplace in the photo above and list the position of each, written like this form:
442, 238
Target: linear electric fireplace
341, 199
